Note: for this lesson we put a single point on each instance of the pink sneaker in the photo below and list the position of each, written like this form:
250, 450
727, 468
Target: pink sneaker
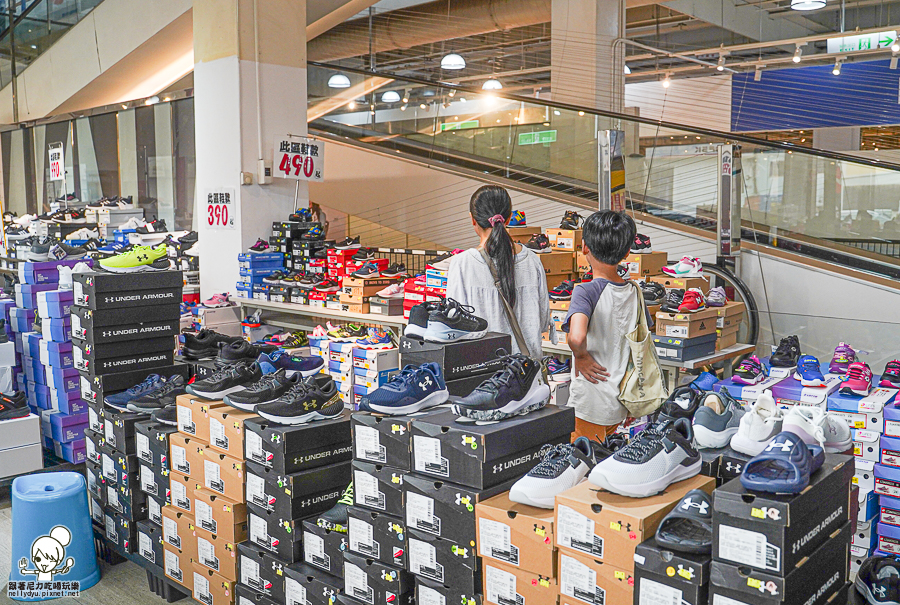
392, 291
319, 332
218, 300
686, 267
859, 379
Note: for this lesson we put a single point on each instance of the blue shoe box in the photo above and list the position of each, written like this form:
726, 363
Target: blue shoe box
371, 379
260, 291
887, 480
30, 394
21, 320
34, 370
42, 396
21, 381
55, 304
121, 235
57, 354
257, 259
6, 304
74, 452
68, 403
68, 427
32, 344
18, 344
889, 510
26, 294
790, 392
866, 413
64, 381
243, 291
57, 330
258, 273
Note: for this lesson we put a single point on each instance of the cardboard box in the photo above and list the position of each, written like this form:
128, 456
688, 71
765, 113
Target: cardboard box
377, 486
224, 475
216, 554
517, 535
193, 415
681, 283
372, 581
504, 585
377, 536
304, 585
186, 456
662, 575
446, 562
177, 565
181, 488
521, 235
218, 515
262, 572
322, 548
671, 348
178, 531
582, 264
557, 262
730, 315
564, 239
586, 579
226, 430
364, 288
431, 592
645, 265
686, 325
290, 449
149, 542
727, 338
617, 524
211, 588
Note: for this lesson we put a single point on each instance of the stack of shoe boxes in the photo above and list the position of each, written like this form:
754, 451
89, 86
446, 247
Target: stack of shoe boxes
371, 369
224, 320
684, 336
875, 424
340, 367
20, 446
252, 268
152, 451
773, 549
356, 292
293, 474
416, 292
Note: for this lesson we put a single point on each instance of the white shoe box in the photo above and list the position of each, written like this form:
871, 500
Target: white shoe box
8, 355
211, 318
20, 439
864, 476
20, 460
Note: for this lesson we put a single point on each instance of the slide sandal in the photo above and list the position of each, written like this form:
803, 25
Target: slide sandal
784, 467
688, 526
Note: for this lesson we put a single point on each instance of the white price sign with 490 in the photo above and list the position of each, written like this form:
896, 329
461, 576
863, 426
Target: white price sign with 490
299, 158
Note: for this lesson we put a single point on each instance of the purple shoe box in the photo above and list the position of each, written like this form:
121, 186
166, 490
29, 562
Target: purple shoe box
744, 392
790, 392
34, 370
55, 304
21, 320
18, 343
57, 330
68, 427
5, 305
46, 272
74, 452
26, 294
32, 343
42, 396
67, 402
64, 381
57, 354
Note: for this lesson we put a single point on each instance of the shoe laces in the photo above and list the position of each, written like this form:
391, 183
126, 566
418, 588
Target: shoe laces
785, 346
809, 364
644, 444
263, 384
857, 372
347, 496
228, 371
146, 384
460, 309
892, 368
750, 365
406, 376
554, 462
513, 364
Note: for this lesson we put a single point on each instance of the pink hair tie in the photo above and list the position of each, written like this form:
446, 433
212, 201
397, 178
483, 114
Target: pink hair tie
497, 218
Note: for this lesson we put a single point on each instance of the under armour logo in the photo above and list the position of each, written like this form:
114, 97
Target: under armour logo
497, 468
427, 382
142, 257
406, 344
784, 446
732, 467
688, 504
880, 591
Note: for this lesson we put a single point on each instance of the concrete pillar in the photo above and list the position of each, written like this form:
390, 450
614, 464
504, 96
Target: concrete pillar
228, 119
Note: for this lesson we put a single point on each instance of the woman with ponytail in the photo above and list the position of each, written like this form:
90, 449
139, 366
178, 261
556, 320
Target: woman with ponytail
519, 272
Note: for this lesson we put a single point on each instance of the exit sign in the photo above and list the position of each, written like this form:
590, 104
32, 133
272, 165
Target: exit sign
459, 125
544, 137
861, 42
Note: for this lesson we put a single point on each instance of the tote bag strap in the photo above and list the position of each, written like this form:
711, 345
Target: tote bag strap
510, 315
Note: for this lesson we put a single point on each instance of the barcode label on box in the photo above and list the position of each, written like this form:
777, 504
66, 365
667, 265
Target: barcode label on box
748, 548
427, 455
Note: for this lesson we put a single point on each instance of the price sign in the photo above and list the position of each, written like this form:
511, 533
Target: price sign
219, 209
299, 158
57, 162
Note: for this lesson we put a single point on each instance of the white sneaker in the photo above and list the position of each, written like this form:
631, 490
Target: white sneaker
133, 223
686, 267
563, 466
25, 220
65, 277
392, 291
84, 233
758, 426
193, 250
816, 427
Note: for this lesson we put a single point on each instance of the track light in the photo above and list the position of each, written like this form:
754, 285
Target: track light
627, 70
338, 81
895, 47
453, 61
837, 68
405, 97
423, 106
492, 84
894, 61
351, 105
452, 93
720, 66
757, 75
666, 81
403, 107
797, 53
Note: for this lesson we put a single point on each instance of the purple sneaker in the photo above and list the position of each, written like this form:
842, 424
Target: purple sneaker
751, 371
844, 355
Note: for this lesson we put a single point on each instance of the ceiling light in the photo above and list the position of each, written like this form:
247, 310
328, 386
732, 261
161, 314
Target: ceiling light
403, 107
338, 81
837, 68
797, 53
666, 81
351, 105
627, 70
895, 47
556, 112
451, 94
581, 113
720, 66
391, 96
492, 84
423, 106
34, 46
807, 5
453, 61
152, 100
405, 97
462, 99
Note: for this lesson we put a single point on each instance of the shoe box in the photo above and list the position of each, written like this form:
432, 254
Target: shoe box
483, 455
433, 593
95, 388
216, 554
178, 531
772, 533
181, 491
124, 324
111, 357
516, 534
186, 456
261, 571
177, 565
646, 265
120, 530
812, 580
323, 548
46, 272
54, 354
790, 392
226, 430
732, 464
504, 585
386, 306
447, 562
151, 441
382, 439
224, 475
674, 348
584, 578
566, 240
268, 531
154, 482
669, 576
98, 291
869, 413
457, 359
377, 487
304, 585
154, 508
378, 536
219, 516
244, 595
193, 416
119, 429
297, 495
149, 542
289, 449
67, 402
372, 581
26, 294
210, 588
687, 325
607, 527
891, 414
681, 283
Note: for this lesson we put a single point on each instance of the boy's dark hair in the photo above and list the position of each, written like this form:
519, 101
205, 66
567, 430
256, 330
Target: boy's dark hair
609, 236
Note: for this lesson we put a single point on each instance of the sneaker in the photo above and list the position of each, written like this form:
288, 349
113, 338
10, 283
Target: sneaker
68, 216
516, 389
673, 300
40, 250
319, 332
395, 270
693, 301
337, 518
716, 297
717, 420
751, 371
563, 291
193, 251
878, 580
149, 384
316, 234
254, 320
658, 457
364, 254
517, 219
267, 389
843, 356
13, 406
167, 416
82, 234
539, 243
453, 322
261, 245
154, 226
217, 301
132, 224
858, 380
16, 233
205, 344
787, 354
379, 340
560, 371
758, 426
310, 281
327, 285
290, 364
366, 271
321, 253
682, 403
809, 372
392, 291
313, 398
230, 379
302, 215
162, 397
704, 382
293, 278
890, 378
654, 293
295, 341
686, 267
417, 325
816, 427
412, 390
140, 258
350, 243
114, 248
563, 466
589, 277
275, 277
570, 220
641, 244
442, 262
338, 333
241, 351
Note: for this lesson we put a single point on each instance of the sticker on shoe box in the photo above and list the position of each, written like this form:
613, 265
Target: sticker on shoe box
428, 458
495, 541
576, 531
579, 581
314, 551
154, 511
500, 587
748, 548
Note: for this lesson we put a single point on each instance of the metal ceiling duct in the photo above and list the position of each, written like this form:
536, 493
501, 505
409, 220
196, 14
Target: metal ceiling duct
425, 24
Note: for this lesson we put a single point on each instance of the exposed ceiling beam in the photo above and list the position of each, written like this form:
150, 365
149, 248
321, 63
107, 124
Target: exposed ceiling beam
323, 15
745, 20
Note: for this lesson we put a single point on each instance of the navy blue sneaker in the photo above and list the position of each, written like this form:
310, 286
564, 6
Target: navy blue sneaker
560, 370
281, 360
412, 390
120, 400
704, 382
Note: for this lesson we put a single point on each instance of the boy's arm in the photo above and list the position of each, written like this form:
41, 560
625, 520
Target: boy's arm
583, 362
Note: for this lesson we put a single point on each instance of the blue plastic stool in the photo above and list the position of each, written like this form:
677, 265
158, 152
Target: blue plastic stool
52, 539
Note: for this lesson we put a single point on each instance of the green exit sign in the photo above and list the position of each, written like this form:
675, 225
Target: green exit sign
459, 125
544, 137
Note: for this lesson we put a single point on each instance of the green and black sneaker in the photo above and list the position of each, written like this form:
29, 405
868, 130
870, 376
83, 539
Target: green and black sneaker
337, 517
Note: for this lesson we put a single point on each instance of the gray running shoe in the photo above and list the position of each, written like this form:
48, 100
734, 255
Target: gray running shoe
717, 420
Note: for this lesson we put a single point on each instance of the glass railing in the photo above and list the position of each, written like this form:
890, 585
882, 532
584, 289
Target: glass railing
828, 205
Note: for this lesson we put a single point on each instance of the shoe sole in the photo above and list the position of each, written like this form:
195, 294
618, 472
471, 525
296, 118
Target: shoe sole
646, 250
350, 247
852, 391
304, 419
429, 401
137, 269
137, 409
817, 382
198, 355
37, 258
304, 373
557, 297
535, 399
644, 490
245, 407
213, 394
710, 439
748, 447
384, 345
749, 381
414, 331
438, 332
522, 498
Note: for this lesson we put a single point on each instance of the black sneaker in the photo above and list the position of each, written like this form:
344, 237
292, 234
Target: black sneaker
563, 291
418, 319
563, 466
878, 580
321, 253
364, 254
13, 406
261, 245
315, 398
570, 220
16, 233
516, 389
275, 278
40, 250
269, 388
241, 350
395, 270
327, 285
155, 226
310, 281
337, 518
539, 243
673, 300
368, 270
682, 403
63, 251
168, 415
654, 293
69, 215
205, 344
189, 239
226, 381
641, 244
348, 244
787, 353
453, 322
161, 398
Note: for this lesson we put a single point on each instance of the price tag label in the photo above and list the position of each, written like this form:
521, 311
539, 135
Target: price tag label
57, 162
299, 158
220, 209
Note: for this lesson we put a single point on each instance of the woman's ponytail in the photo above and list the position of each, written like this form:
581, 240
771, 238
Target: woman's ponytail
491, 207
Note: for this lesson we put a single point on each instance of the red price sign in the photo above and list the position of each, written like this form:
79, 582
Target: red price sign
220, 209
299, 158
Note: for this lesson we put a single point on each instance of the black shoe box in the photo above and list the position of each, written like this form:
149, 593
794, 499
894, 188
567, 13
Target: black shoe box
710, 461
732, 464
377, 536
344, 599
290, 449
261, 571
372, 581
382, 439
661, 573
297, 495
811, 581
377, 487
95, 412
110, 357
484, 455
152, 443
773, 533
154, 482
457, 359
119, 429
126, 498
119, 530
322, 548
111, 290
96, 482
126, 323
268, 531
445, 562
149, 542
305, 585
95, 388
462, 387
244, 595
154, 508
429, 592
93, 443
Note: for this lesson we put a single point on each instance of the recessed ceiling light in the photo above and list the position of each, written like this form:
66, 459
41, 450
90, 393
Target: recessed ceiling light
391, 96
